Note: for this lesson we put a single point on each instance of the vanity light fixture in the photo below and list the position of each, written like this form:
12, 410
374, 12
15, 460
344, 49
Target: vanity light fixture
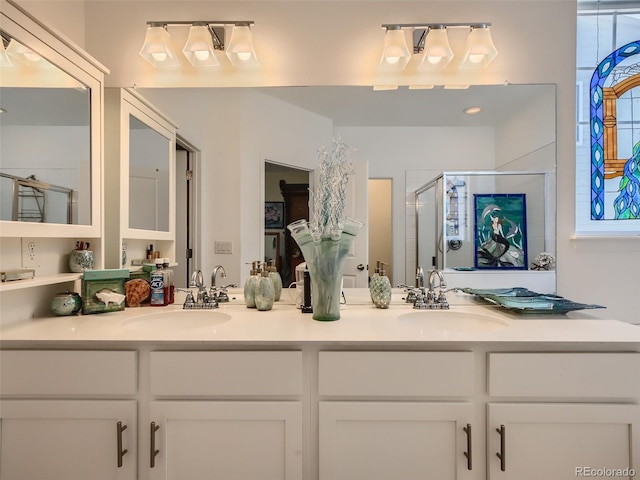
158, 48
395, 52
205, 38
200, 47
240, 49
25, 55
436, 52
432, 41
480, 50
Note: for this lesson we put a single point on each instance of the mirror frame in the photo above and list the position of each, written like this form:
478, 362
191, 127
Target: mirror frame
134, 105
18, 24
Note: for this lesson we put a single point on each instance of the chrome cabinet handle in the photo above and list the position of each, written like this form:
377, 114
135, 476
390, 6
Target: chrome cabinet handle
468, 453
502, 455
121, 453
153, 451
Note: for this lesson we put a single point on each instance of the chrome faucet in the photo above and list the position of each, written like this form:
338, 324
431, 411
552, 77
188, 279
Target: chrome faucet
439, 301
215, 273
197, 281
219, 293
413, 292
426, 298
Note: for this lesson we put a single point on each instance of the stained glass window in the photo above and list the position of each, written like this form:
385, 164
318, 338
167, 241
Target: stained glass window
608, 121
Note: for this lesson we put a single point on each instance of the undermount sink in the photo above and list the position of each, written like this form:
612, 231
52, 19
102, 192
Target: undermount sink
176, 320
454, 320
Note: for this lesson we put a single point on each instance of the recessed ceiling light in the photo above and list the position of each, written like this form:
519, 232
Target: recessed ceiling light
2, 110
472, 110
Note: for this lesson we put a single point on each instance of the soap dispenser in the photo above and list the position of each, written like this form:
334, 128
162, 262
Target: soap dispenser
276, 279
373, 281
250, 286
381, 291
265, 292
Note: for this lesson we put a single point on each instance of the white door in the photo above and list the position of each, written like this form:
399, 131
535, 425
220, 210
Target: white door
357, 206
227, 440
68, 440
395, 440
562, 441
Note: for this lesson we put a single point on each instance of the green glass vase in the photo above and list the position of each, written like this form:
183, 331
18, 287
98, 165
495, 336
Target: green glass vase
325, 256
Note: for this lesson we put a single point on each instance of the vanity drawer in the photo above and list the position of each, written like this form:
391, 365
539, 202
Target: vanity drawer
589, 375
226, 373
396, 374
65, 372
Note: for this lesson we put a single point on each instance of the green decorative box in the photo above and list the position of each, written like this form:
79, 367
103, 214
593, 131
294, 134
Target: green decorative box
103, 290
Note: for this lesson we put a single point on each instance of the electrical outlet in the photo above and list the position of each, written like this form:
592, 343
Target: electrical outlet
30, 257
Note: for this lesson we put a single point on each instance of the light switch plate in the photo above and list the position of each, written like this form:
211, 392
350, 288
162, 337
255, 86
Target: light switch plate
223, 247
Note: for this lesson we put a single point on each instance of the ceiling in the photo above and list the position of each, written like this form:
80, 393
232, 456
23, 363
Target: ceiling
362, 106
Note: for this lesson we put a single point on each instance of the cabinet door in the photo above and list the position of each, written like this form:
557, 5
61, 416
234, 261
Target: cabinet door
380, 441
562, 441
228, 440
65, 440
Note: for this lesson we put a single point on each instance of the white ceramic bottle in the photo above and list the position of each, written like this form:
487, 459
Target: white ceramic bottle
264, 293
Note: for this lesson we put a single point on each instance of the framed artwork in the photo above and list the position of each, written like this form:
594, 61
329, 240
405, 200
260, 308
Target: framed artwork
500, 231
274, 215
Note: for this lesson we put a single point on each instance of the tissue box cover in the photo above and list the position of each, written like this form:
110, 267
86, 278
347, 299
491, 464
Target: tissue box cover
103, 290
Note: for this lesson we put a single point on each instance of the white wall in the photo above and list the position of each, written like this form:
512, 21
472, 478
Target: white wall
338, 43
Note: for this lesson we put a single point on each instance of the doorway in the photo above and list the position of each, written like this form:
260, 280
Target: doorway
381, 224
286, 187
187, 212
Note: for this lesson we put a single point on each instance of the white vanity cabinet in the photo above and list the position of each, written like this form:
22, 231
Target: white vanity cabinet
567, 414
68, 415
396, 415
239, 415
140, 160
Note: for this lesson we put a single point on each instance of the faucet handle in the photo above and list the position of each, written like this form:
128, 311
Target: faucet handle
189, 300
442, 300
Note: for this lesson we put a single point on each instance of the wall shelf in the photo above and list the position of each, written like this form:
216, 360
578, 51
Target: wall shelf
39, 281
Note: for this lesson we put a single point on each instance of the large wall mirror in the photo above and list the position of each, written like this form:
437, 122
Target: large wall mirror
45, 152
408, 135
50, 119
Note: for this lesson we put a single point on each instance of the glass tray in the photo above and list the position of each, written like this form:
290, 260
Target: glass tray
523, 300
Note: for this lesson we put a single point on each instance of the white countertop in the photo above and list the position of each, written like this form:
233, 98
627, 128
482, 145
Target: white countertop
467, 321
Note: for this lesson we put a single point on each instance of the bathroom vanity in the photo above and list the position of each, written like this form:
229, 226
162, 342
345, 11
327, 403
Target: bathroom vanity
469, 393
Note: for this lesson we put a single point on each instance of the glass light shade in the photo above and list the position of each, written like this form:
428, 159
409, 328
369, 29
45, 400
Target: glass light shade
240, 48
5, 61
437, 52
158, 48
395, 52
199, 47
24, 55
480, 50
